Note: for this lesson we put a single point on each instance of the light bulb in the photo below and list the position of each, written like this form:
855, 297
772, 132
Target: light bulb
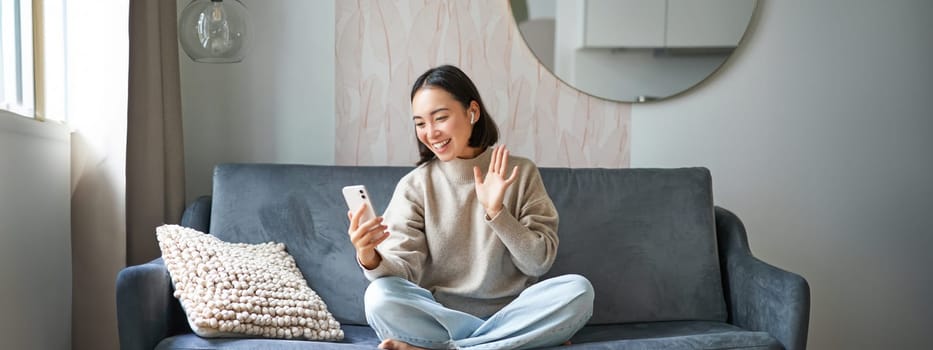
214, 31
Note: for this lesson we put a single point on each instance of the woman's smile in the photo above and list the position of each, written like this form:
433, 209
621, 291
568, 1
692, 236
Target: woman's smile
439, 146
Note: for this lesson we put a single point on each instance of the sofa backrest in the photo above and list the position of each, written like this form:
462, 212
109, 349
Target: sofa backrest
644, 237
302, 206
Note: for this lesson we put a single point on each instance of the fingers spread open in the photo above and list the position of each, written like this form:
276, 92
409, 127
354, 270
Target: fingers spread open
512, 177
494, 161
504, 161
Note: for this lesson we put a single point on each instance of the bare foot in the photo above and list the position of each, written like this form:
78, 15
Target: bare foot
567, 343
392, 344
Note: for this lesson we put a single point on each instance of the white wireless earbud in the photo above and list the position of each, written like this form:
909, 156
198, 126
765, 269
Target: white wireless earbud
472, 117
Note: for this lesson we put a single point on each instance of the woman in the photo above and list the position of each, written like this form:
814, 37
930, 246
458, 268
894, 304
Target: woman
455, 259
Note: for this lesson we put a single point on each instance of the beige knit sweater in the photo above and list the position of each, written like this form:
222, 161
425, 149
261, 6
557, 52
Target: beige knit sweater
440, 238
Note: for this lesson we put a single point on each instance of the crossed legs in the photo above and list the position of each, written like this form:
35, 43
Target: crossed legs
548, 313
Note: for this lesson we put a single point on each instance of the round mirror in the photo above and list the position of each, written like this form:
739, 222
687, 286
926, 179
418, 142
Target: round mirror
633, 50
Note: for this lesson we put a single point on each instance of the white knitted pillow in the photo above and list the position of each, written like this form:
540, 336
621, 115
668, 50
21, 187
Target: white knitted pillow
238, 289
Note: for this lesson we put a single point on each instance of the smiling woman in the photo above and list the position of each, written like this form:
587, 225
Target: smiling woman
633, 50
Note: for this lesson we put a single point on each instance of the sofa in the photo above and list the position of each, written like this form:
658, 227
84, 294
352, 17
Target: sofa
670, 269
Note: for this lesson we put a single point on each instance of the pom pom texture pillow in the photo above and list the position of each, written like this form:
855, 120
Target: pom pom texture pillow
238, 289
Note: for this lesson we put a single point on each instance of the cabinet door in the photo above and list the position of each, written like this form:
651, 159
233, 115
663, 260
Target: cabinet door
707, 23
623, 23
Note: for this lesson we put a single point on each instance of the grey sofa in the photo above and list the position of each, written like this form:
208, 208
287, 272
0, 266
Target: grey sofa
670, 270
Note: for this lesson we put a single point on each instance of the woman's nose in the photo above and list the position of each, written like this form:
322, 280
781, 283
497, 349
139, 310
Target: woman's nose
431, 130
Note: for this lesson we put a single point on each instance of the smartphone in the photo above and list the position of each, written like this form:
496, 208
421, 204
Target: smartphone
357, 195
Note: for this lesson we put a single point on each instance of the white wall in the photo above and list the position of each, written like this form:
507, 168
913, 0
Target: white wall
35, 234
276, 106
96, 54
818, 135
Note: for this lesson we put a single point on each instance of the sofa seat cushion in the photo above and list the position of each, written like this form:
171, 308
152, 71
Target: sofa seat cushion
672, 335
654, 335
355, 337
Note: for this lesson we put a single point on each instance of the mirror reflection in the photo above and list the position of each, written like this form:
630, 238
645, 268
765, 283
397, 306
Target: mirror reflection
633, 50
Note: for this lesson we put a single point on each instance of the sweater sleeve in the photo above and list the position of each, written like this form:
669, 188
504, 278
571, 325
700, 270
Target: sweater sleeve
530, 234
404, 251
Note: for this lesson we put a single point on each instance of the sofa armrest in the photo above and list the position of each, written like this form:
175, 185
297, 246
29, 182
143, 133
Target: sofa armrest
147, 312
198, 214
759, 296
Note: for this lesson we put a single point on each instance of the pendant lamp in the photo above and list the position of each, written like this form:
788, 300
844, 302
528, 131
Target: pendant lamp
214, 31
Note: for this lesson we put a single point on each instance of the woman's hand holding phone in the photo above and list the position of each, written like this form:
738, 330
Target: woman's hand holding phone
366, 235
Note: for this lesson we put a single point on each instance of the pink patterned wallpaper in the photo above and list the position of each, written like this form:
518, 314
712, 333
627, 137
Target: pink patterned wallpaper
383, 46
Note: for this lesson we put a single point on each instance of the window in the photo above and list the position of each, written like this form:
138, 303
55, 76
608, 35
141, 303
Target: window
32, 58
16, 67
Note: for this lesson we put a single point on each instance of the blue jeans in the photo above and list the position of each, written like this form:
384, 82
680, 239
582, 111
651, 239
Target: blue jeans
547, 313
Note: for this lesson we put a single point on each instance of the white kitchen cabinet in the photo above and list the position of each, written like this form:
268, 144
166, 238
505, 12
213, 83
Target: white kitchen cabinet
664, 23
623, 23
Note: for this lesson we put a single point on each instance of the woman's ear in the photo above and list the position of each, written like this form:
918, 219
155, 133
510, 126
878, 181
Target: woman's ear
474, 112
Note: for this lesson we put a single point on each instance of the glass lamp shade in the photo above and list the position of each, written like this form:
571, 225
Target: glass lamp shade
214, 31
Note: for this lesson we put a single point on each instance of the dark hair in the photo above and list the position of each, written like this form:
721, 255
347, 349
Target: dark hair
459, 85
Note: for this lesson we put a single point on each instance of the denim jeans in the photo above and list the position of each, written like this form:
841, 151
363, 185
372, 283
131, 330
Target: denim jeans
547, 313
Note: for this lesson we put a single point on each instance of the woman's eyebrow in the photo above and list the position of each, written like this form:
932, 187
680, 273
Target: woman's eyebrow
432, 112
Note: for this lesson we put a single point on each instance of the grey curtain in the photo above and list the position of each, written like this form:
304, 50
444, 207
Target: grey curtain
155, 174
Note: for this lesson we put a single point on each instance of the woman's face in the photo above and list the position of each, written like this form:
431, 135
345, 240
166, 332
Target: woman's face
442, 124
